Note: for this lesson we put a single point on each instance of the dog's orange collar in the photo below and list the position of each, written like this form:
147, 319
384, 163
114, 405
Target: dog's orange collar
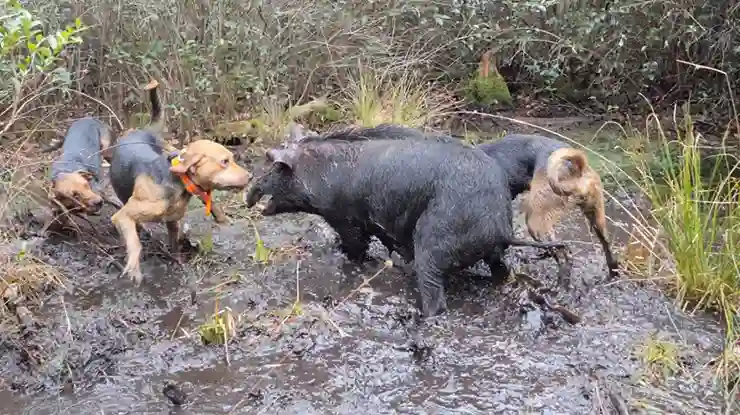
193, 188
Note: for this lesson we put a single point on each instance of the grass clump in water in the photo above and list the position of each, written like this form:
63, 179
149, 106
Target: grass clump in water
699, 222
219, 327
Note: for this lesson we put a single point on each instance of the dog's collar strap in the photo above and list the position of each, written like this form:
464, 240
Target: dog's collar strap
191, 187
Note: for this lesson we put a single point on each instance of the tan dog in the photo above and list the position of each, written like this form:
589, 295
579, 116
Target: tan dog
558, 177
75, 176
154, 189
560, 188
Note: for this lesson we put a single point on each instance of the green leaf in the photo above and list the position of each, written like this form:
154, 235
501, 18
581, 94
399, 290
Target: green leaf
261, 253
53, 42
44, 51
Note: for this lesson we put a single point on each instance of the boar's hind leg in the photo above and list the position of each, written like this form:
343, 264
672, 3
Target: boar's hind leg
499, 269
354, 243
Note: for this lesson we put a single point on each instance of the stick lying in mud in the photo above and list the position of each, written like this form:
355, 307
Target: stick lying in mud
543, 301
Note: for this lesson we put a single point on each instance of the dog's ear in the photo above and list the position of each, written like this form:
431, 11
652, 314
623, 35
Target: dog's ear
187, 163
86, 175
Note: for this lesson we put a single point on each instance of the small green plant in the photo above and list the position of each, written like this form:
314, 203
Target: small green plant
261, 252
660, 358
487, 87
206, 243
219, 328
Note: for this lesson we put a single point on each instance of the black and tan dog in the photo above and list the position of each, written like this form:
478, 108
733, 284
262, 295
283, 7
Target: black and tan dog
156, 186
558, 177
76, 174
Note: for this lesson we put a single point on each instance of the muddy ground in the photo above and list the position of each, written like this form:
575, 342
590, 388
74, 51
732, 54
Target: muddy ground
105, 347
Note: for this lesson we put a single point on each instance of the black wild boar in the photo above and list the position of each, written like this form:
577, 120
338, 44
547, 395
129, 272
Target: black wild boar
432, 200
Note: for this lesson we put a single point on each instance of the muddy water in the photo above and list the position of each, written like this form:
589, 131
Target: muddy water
107, 348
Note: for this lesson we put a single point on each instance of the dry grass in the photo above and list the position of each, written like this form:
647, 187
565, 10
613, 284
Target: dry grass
23, 278
377, 97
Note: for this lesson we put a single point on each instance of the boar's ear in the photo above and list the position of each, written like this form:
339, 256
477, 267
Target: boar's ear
296, 132
279, 157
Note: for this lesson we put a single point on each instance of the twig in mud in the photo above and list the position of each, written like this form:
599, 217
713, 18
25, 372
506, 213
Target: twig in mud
609, 284
673, 322
113, 260
598, 402
218, 286
66, 317
542, 300
177, 326
365, 282
226, 347
326, 317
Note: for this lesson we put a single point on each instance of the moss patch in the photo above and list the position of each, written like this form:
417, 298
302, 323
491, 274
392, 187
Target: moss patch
488, 90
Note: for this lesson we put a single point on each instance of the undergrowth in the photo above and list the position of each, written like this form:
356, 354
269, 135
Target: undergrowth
698, 226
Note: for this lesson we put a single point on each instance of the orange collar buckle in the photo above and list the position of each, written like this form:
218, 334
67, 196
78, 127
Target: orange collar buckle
194, 189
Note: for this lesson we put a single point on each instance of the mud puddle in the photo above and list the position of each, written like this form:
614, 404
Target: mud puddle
107, 348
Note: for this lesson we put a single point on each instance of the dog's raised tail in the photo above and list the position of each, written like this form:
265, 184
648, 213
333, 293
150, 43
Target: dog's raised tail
565, 171
156, 124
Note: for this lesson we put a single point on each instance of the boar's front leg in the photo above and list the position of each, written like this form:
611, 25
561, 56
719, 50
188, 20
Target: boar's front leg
431, 287
430, 266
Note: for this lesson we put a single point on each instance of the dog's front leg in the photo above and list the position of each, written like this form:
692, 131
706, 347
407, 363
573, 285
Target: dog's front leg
174, 237
219, 215
127, 229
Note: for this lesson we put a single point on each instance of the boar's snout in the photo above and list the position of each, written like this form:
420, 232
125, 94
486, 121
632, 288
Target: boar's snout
254, 195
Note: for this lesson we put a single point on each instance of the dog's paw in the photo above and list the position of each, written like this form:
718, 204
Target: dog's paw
135, 276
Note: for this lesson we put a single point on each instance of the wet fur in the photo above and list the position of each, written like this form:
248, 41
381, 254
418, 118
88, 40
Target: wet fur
143, 179
381, 132
558, 178
437, 203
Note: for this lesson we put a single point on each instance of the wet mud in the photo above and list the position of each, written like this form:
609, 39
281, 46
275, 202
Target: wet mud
103, 346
